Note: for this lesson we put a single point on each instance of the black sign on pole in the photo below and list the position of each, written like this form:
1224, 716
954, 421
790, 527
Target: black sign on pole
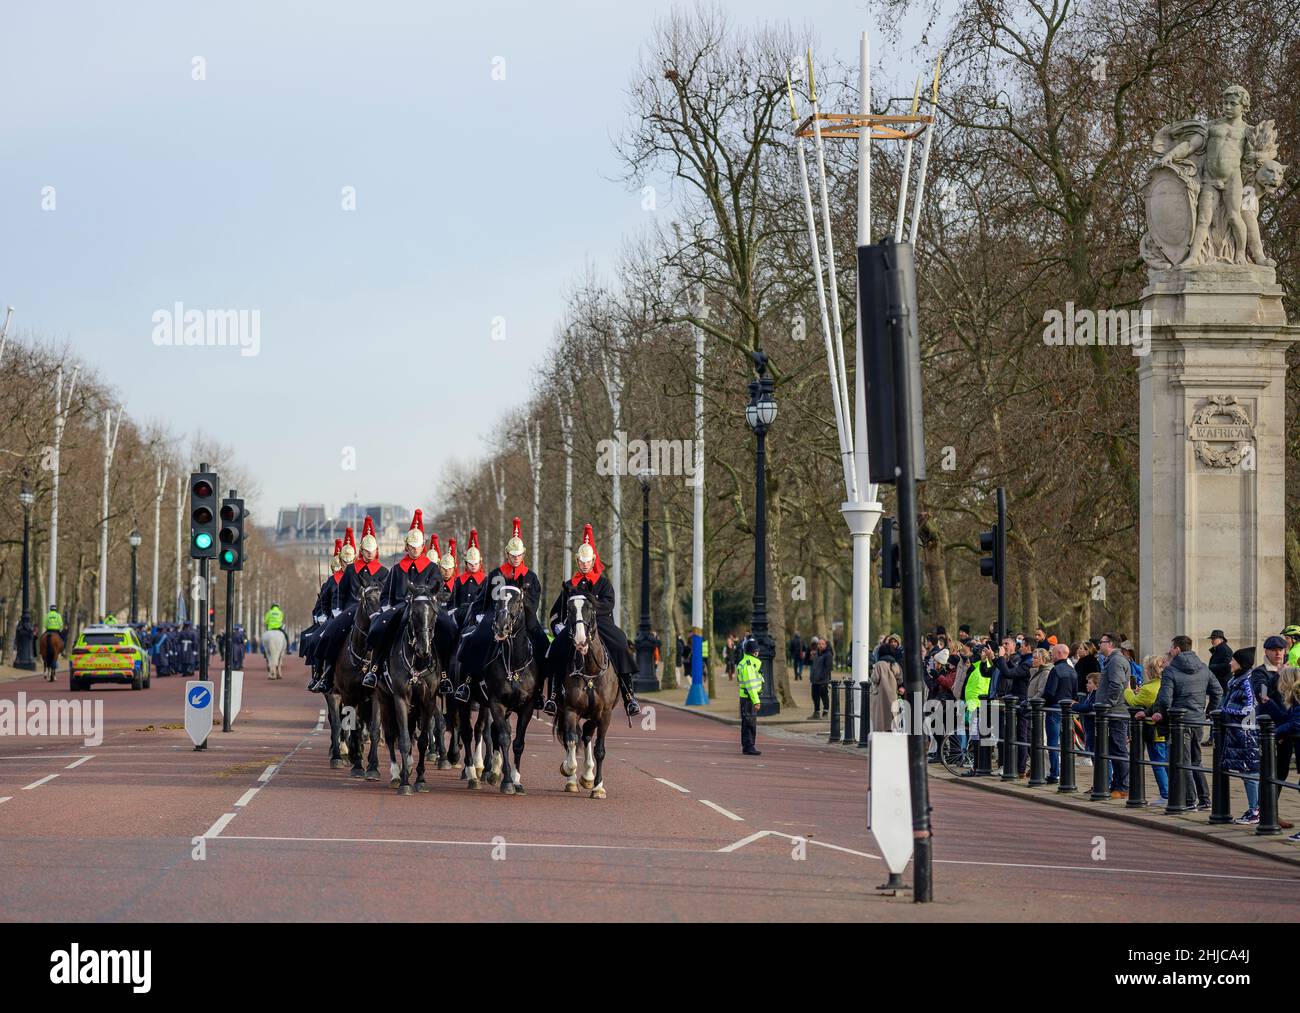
892, 361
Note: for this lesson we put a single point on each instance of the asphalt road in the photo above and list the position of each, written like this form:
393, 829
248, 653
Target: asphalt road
142, 827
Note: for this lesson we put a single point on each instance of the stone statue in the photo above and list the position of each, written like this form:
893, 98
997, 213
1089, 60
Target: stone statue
1203, 190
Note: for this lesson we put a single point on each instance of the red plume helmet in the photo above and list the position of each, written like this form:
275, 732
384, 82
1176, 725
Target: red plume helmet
348, 551
368, 540
449, 557
435, 550
473, 557
516, 544
415, 536
587, 553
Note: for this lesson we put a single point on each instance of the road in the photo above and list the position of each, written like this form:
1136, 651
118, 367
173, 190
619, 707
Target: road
142, 827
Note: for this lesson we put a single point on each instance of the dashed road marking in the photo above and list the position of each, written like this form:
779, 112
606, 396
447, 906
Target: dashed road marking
78, 763
269, 772
36, 784
726, 813
6, 798
664, 780
220, 825
247, 797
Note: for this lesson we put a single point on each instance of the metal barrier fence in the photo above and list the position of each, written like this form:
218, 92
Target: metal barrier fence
861, 711
1181, 770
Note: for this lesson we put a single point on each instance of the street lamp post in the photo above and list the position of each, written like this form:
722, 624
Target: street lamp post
134, 539
760, 413
23, 655
645, 641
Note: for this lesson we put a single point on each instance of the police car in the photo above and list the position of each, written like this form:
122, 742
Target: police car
108, 654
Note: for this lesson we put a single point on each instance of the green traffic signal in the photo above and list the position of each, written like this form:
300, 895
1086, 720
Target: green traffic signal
228, 556
203, 540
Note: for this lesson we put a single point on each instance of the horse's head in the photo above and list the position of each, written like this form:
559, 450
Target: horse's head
508, 615
368, 605
421, 618
582, 624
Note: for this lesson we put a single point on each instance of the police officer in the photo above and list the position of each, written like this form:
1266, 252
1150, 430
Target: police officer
274, 618
749, 680
476, 644
590, 580
54, 622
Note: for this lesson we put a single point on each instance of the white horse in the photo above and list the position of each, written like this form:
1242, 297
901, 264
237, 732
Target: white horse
276, 645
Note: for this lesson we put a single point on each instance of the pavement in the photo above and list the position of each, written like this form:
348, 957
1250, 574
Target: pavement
259, 827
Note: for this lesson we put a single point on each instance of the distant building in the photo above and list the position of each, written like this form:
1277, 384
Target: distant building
308, 532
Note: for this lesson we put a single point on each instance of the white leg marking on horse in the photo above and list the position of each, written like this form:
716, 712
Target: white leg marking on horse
589, 772
394, 769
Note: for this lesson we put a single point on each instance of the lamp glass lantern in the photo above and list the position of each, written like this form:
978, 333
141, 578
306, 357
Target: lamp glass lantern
134, 538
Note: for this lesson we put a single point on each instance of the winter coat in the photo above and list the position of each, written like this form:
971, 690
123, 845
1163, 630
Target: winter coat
1287, 718
1114, 680
821, 668
1038, 680
1185, 684
885, 676
1142, 698
1240, 735
1062, 682
1220, 663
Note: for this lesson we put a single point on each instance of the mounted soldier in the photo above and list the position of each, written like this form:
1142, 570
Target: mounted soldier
470, 583
476, 642
590, 581
325, 609
358, 574
416, 572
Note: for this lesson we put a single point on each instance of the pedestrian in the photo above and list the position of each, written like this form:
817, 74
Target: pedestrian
1110, 697
1283, 706
885, 677
1185, 683
974, 693
749, 680
1143, 697
796, 656
1060, 685
1240, 754
729, 656
1220, 660
1292, 634
819, 679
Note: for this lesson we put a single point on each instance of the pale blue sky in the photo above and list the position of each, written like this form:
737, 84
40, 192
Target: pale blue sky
475, 199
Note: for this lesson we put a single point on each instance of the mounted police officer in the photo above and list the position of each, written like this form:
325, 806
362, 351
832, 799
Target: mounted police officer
590, 581
476, 643
54, 622
358, 574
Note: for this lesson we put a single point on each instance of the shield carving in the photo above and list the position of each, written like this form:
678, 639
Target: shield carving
1171, 213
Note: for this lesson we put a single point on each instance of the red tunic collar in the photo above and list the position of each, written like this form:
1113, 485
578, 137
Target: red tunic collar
420, 562
592, 575
513, 572
373, 566
337, 576
475, 575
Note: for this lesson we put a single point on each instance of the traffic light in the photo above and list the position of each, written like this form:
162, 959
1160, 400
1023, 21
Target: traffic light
203, 515
890, 571
231, 556
992, 542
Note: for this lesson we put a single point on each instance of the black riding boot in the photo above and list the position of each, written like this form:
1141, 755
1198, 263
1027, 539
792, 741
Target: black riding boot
629, 697
324, 682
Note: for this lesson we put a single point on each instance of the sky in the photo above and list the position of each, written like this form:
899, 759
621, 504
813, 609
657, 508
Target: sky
157, 154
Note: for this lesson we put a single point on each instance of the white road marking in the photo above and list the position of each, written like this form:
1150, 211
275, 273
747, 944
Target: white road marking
47, 756
221, 824
463, 844
44, 780
78, 763
718, 808
269, 772
664, 780
5, 798
247, 797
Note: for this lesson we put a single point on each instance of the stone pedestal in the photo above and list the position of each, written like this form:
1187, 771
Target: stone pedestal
1213, 466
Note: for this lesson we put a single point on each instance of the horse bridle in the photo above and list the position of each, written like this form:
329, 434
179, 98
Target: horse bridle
357, 659
406, 643
579, 669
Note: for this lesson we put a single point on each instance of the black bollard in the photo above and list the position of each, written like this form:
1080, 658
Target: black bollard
1010, 711
849, 689
834, 687
984, 749
1267, 771
1038, 744
1067, 749
1100, 773
1220, 786
1137, 773
864, 714
1177, 780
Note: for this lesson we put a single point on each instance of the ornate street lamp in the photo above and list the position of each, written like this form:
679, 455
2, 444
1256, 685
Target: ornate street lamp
645, 640
134, 539
24, 657
760, 413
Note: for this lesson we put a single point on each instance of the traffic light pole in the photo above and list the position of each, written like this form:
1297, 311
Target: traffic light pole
1001, 550
225, 711
917, 742
203, 630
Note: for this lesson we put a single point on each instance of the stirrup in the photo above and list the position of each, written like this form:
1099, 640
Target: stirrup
462, 693
631, 706
444, 687
368, 680
549, 707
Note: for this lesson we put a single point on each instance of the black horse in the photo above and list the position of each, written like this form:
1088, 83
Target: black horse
408, 698
508, 682
587, 695
350, 705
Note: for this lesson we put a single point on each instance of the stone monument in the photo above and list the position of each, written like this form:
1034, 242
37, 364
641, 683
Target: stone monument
1212, 528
